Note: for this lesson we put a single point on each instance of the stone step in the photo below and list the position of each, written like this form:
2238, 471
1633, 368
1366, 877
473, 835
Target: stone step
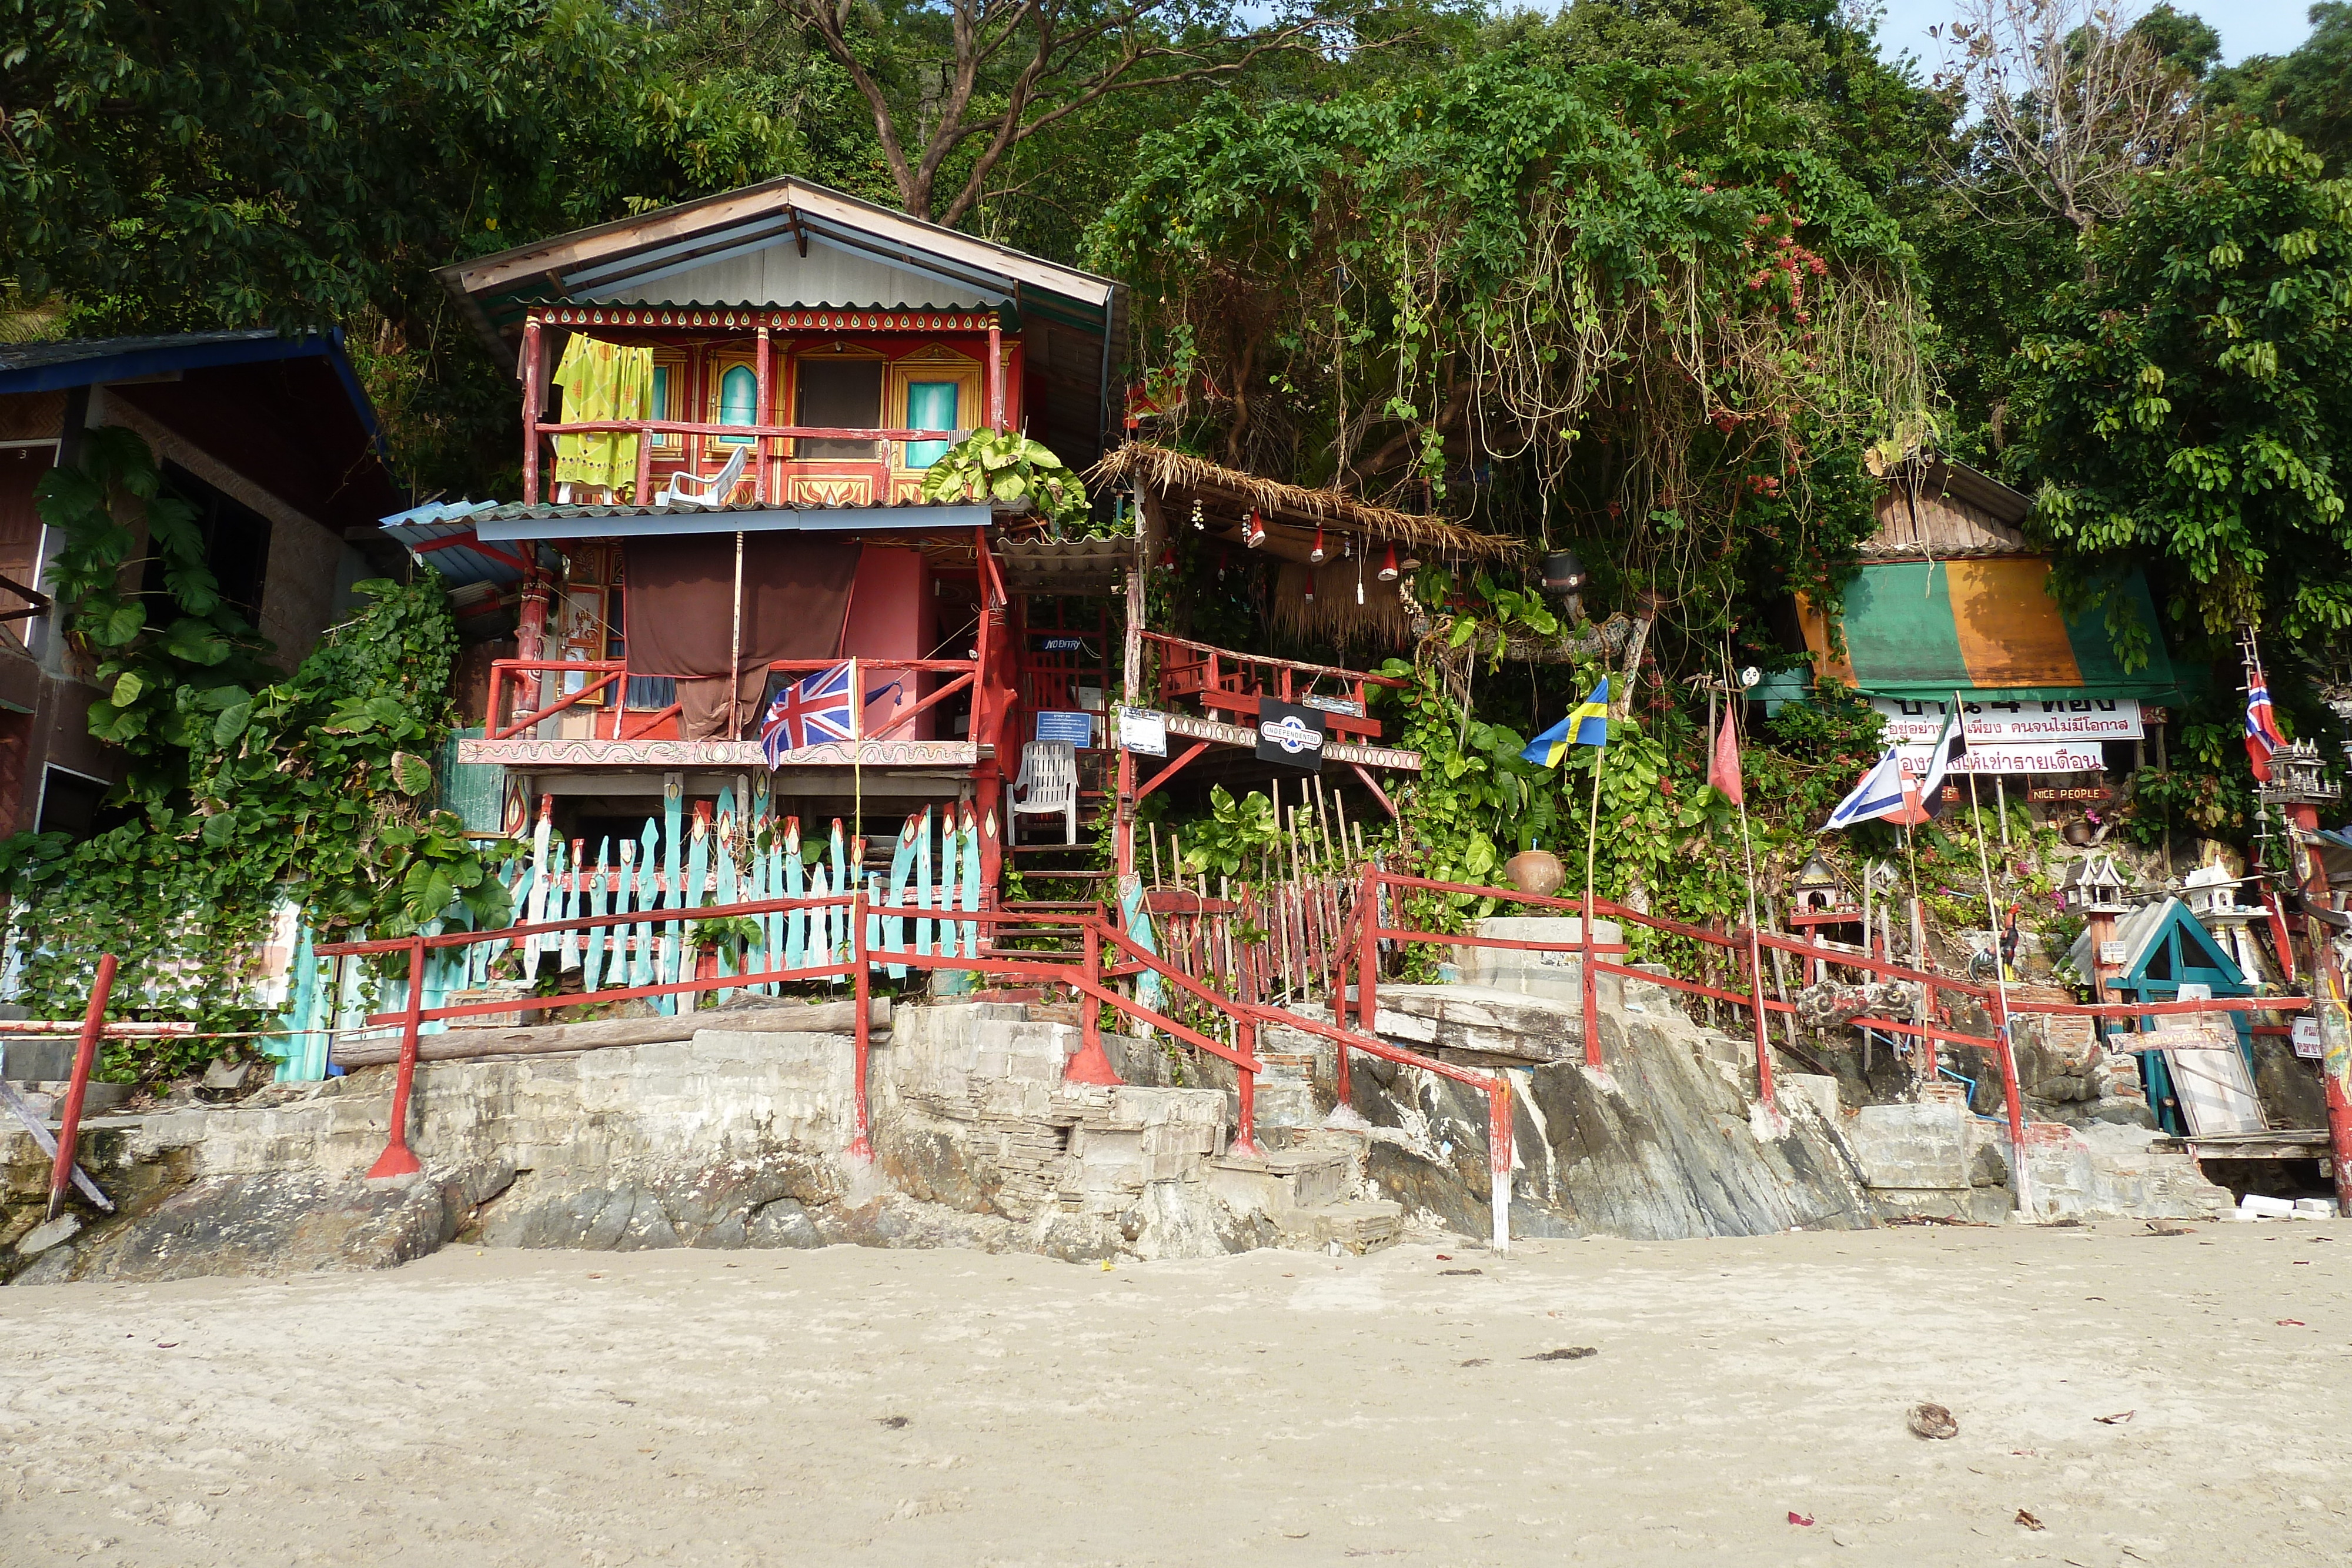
1307, 1178
1286, 1103
1365, 1225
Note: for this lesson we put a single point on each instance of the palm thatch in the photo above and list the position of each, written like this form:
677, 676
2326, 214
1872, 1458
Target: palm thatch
1331, 614
1292, 513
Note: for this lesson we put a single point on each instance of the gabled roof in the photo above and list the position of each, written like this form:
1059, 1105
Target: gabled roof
2144, 927
1936, 508
87, 362
625, 257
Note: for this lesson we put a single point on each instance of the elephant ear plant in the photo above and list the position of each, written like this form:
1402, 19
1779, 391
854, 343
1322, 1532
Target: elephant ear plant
1004, 468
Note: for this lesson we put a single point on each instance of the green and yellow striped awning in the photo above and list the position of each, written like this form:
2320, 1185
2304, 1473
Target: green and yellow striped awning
1926, 629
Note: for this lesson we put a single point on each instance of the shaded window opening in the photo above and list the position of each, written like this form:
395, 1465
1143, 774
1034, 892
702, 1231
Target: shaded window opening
839, 395
236, 546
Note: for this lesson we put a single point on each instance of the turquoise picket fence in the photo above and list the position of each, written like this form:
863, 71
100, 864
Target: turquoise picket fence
710, 857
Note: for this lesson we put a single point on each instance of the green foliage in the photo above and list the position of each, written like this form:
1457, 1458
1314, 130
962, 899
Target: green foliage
313, 787
2190, 402
1004, 468
1666, 310
1234, 835
303, 162
2308, 93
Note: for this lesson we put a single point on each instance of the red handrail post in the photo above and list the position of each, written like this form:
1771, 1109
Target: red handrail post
1367, 954
396, 1159
1765, 1089
861, 1139
1090, 1066
1500, 1132
1245, 1144
93, 1025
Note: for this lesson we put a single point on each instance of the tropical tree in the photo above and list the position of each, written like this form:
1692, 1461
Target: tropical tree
2190, 404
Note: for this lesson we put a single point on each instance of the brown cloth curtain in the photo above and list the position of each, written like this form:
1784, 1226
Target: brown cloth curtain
677, 617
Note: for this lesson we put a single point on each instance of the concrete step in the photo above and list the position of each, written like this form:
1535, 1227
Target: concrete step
1278, 1180
1286, 1102
1366, 1225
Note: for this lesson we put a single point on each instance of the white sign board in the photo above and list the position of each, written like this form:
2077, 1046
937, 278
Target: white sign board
2005, 756
2076, 719
1143, 731
2307, 1038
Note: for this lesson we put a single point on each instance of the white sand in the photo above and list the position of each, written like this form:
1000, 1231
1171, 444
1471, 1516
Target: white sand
1277, 1407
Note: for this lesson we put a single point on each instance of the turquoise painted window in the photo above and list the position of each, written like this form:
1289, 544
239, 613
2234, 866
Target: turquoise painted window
661, 392
930, 406
739, 401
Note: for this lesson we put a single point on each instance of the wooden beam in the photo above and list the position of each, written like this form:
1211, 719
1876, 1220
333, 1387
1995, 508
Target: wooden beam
462, 1044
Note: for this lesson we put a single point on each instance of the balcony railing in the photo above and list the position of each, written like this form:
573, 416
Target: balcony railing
509, 679
758, 435
1227, 684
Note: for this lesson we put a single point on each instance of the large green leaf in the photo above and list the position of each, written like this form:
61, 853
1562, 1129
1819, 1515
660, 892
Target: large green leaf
411, 773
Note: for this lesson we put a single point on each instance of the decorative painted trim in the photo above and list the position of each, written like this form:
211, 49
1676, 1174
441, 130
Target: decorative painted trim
1389, 757
675, 754
643, 318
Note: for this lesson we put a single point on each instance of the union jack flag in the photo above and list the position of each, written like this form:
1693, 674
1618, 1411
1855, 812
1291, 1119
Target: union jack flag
2263, 735
808, 711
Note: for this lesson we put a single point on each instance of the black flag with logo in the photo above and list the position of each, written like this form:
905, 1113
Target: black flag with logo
1290, 734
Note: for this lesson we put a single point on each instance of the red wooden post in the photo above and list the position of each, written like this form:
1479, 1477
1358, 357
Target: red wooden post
861, 1139
396, 1159
93, 1025
641, 495
2327, 988
995, 372
1090, 1066
764, 374
533, 369
1245, 1143
1368, 953
1500, 1126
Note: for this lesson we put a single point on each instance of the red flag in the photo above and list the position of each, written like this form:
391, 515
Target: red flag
1723, 773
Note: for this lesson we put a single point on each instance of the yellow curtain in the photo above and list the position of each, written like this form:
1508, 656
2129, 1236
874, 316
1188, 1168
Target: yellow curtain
602, 380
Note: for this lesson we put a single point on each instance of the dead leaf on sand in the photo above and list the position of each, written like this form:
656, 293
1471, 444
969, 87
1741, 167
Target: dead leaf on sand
1476, 1361
1565, 1352
2028, 1520
893, 1422
1933, 1421
1461, 1270
2117, 1420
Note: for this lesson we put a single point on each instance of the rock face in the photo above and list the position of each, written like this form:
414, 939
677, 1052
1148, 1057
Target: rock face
1937, 1159
1660, 1145
734, 1138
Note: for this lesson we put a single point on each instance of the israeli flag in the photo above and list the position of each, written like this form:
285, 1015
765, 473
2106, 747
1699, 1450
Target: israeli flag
1880, 792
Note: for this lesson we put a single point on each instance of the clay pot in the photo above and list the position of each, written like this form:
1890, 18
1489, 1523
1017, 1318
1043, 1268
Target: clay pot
1537, 873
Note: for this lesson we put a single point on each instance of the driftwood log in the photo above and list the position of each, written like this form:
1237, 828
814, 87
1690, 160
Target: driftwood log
459, 1044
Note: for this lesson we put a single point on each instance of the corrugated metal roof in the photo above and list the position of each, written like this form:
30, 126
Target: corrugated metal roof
442, 535
1065, 566
1008, 311
72, 351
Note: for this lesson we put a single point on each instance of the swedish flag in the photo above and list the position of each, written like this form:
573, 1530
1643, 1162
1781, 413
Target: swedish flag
1587, 724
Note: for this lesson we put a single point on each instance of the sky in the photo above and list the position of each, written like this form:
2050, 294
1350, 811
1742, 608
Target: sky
2247, 26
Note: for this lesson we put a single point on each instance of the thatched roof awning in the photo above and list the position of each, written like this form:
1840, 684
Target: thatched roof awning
1292, 513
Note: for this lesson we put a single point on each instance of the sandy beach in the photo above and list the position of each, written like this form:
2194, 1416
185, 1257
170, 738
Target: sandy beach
863, 1407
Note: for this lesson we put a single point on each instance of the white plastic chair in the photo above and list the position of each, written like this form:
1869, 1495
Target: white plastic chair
685, 489
1048, 782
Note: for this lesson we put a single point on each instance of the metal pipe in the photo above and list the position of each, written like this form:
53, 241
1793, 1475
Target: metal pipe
93, 1025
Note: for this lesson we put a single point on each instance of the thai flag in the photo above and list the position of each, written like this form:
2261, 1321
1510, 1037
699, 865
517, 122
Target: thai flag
808, 711
2263, 735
